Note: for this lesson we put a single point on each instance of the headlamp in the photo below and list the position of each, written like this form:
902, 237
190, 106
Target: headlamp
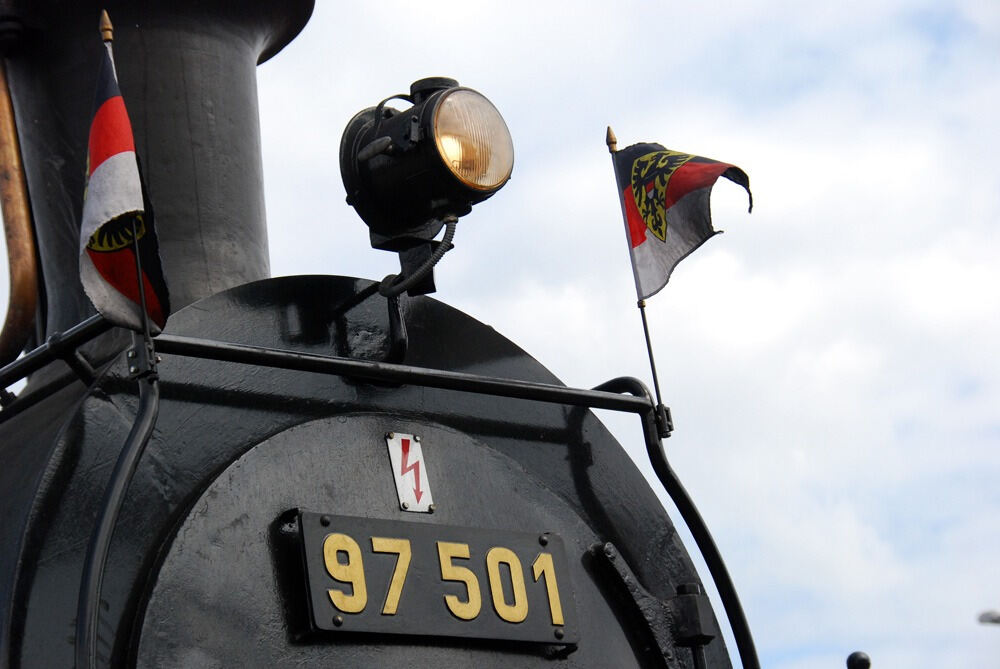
405, 172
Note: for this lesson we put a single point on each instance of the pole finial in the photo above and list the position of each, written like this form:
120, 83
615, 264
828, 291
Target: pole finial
611, 140
107, 30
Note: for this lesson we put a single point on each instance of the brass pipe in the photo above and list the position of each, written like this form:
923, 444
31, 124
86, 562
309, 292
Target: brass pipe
16, 210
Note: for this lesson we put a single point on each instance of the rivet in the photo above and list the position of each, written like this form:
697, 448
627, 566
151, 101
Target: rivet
559, 633
338, 620
416, 439
543, 539
609, 550
390, 435
133, 369
324, 521
406, 505
432, 508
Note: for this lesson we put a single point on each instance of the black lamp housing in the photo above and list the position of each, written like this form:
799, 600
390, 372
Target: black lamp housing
396, 176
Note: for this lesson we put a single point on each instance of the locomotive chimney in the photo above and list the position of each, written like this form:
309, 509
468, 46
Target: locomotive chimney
186, 69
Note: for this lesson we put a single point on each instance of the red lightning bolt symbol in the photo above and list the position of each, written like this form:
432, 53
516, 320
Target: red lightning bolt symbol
407, 467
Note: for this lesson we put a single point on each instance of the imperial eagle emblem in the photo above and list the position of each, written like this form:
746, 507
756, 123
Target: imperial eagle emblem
117, 234
650, 176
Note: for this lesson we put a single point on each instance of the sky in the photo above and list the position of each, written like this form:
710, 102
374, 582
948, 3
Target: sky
831, 361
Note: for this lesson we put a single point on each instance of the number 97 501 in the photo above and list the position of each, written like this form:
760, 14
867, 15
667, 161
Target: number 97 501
344, 562
419, 578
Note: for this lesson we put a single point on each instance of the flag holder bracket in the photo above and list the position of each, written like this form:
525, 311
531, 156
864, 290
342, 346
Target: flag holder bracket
664, 421
141, 357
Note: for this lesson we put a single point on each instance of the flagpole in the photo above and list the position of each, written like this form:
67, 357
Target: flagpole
649, 349
142, 367
657, 456
663, 420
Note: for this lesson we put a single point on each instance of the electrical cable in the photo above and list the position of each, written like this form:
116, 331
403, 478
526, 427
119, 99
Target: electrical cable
395, 284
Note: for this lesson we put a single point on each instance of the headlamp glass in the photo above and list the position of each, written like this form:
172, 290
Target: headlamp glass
473, 140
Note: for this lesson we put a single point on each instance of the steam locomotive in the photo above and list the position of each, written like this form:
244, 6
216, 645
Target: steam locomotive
325, 471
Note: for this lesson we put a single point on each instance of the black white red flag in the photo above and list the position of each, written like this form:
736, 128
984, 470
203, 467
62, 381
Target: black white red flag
117, 219
665, 203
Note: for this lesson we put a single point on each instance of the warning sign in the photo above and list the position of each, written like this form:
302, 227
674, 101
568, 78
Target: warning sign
413, 486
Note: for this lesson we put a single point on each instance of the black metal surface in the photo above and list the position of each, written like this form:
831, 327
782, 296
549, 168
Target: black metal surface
507, 388
29, 450
222, 547
654, 416
186, 70
212, 413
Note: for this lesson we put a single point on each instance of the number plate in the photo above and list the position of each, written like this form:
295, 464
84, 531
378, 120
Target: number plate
394, 577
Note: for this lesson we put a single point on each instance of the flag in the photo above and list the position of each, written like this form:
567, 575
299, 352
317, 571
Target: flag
114, 205
665, 203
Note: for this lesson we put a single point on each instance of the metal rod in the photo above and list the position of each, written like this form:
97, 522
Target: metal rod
386, 372
88, 604
649, 350
374, 371
143, 309
698, 655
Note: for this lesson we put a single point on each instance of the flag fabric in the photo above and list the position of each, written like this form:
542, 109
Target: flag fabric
665, 203
114, 205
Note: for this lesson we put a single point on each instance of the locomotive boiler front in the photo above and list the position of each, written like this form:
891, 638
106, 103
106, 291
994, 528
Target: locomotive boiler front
335, 478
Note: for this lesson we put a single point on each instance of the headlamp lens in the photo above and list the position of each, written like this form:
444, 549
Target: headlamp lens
473, 140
